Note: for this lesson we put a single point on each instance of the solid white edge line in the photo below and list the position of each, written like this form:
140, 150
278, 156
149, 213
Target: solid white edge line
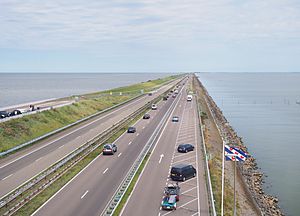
65, 185
98, 119
141, 174
119, 154
196, 142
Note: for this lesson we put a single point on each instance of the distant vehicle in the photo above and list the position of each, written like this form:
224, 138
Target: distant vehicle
169, 202
146, 116
185, 148
15, 112
109, 149
3, 114
182, 172
176, 91
131, 130
154, 107
175, 119
189, 98
150, 93
174, 95
172, 91
173, 189
165, 98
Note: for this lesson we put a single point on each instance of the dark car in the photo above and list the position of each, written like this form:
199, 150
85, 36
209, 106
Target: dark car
172, 189
3, 114
185, 148
109, 149
182, 172
165, 98
174, 95
131, 130
146, 116
15, 112
175, 119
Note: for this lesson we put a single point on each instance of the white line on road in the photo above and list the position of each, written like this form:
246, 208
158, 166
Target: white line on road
160, 158
129, 143
7, 177
61, 146
38, 159
105, 171
119, 154
137, 134
184, 159
84, 194
144, 127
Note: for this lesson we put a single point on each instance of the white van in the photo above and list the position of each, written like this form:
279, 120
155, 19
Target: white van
189, 97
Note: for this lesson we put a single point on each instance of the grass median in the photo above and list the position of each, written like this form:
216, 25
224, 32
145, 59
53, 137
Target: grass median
17, 131
42, 197
131, 186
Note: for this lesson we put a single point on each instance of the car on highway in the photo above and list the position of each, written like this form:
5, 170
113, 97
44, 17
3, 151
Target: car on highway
154, 107
174, 95
165, 98
169, 202
15, 112
150, 93
109, 149
175, 119
186, 147
182, 172
3, 114
146, 116
131, 130
172, 189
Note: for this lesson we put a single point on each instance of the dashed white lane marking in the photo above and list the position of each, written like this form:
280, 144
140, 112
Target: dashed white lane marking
84, 194
119, 154
184, 159
105, 171
129, 143
38, 159
61, 146
144, 127
137, 134
7, 177
78, 137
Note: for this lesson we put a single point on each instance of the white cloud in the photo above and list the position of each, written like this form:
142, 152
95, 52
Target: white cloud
78, 23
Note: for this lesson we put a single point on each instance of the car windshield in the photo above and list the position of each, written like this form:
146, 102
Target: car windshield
107, 147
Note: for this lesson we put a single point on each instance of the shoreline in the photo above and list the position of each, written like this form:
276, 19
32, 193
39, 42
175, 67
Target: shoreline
249, 170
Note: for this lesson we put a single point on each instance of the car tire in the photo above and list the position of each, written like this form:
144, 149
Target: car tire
183, 179
194, 174
186, 151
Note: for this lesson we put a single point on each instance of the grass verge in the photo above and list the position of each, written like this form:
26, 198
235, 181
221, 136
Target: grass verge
42, 197
17, 131
131, 186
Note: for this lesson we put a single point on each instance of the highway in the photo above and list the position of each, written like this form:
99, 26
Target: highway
18, 168
148, 192
89, 192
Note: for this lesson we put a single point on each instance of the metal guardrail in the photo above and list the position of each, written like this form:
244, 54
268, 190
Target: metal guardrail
117, 197
210, 192
87, 147
65, 127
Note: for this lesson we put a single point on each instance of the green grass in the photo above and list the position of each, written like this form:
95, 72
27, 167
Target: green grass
20, 130
17, 131
37, 201
131, 186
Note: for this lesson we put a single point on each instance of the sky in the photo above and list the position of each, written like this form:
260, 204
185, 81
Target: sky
149, 36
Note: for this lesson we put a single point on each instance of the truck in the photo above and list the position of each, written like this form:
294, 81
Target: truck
189, 97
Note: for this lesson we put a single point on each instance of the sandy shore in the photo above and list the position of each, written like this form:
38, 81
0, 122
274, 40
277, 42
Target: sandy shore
251, 198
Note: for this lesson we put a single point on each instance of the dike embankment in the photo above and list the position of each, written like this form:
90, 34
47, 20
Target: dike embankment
251, 198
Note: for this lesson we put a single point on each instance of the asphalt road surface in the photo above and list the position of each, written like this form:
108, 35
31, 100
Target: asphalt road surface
148, 192
89, 192
20, 167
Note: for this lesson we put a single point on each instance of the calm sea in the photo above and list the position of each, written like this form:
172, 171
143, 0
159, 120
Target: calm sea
18, 88
263, 108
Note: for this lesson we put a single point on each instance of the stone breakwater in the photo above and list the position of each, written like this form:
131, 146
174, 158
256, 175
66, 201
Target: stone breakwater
252, 177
